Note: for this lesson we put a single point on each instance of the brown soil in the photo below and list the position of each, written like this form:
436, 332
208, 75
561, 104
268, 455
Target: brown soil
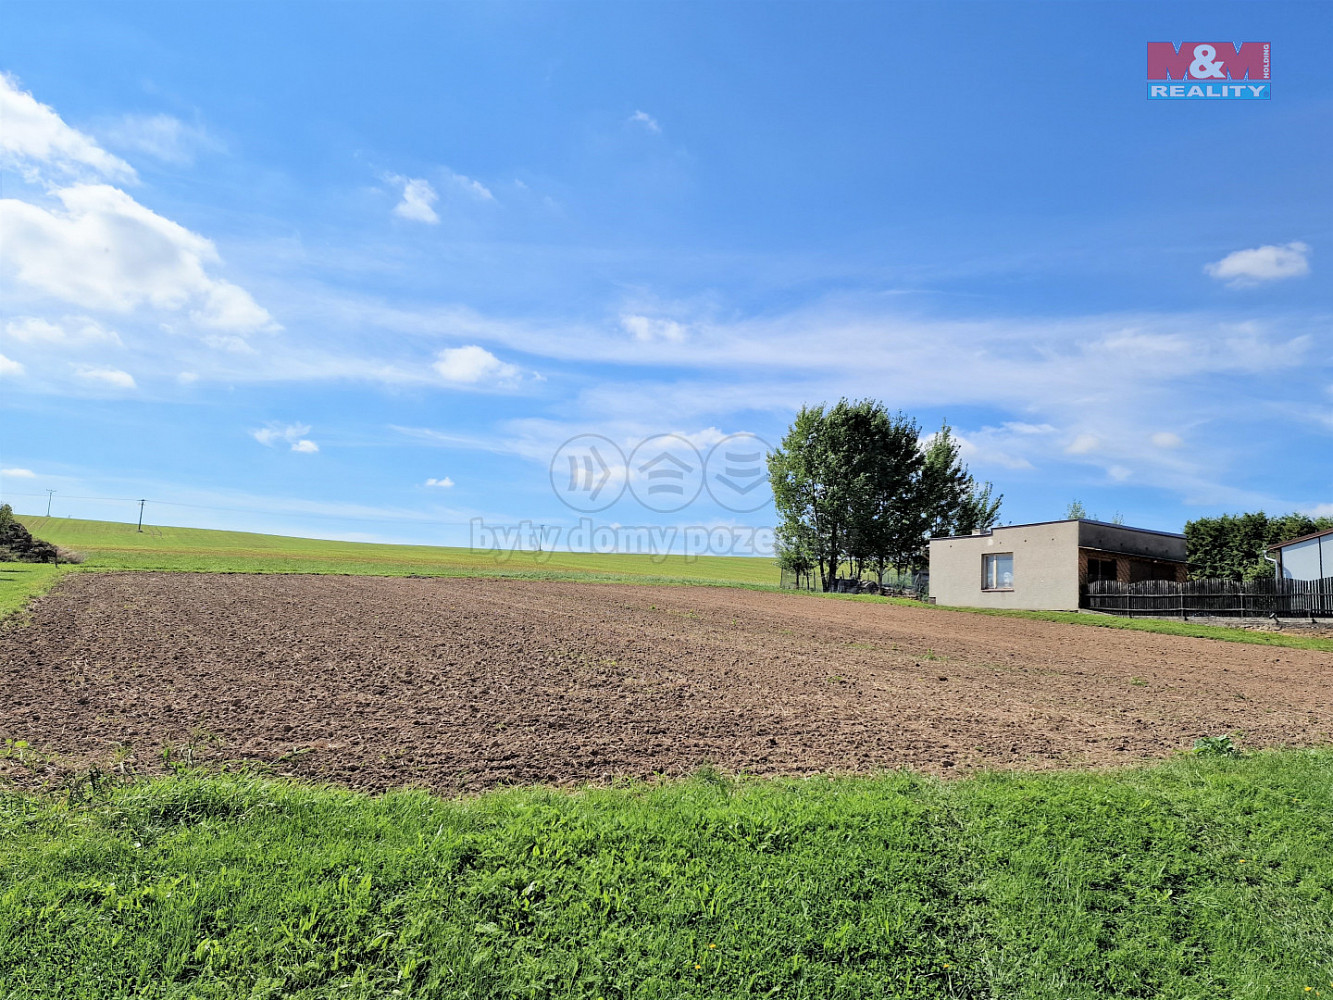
465, 684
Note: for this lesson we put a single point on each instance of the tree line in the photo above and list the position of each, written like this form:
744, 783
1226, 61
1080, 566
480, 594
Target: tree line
856, 485
1232, 547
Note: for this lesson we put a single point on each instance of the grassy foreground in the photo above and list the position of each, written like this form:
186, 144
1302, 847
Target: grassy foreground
1199, 878
113, 545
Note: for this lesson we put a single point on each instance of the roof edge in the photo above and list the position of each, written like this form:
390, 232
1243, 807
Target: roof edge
1063, 520
1302, 538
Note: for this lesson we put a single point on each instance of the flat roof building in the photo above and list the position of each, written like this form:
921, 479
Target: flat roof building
1046, 566
1309, 557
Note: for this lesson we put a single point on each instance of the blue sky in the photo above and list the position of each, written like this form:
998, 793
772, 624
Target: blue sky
357, 271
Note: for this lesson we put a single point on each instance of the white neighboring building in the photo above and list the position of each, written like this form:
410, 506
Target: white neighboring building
1307, 558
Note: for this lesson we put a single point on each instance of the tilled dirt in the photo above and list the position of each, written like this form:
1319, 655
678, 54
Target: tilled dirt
466, 684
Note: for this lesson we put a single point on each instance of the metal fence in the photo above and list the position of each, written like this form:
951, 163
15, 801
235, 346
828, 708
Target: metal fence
1213, 598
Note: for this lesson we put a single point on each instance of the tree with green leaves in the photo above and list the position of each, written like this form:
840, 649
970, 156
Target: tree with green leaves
856, 484
1232, 547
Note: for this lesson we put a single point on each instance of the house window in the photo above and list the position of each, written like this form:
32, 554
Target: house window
997, 572
1101, 569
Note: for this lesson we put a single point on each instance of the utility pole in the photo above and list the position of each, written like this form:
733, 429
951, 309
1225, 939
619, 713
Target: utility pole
49, 495
141, 503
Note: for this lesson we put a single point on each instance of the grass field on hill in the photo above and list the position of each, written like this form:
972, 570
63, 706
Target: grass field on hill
113, 545
1200, 878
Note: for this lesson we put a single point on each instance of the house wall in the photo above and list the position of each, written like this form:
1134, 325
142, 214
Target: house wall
1302, 560
1131, 541
1046, 567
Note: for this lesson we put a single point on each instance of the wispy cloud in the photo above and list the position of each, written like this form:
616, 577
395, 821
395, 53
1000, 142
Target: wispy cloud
9, 366
292, 434
1244, 268
161, 136
474, 188
443, 483
646, 329
644, 119
18, 473
113, 377
67, 331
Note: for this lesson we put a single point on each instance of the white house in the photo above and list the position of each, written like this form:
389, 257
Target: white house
1309, 557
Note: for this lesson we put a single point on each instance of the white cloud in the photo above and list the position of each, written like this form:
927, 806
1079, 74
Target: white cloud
476, 189
985, 448
1083, 444
9, 366
471, 365
646, 120
113, 377
160, 136
71, 330
18, 473
187, 378
34, 134
1166, 439
292, 434
1244, 268
445, 483
645, 329
229, 343
1119, 473
107, 251
418, 197
1018, 427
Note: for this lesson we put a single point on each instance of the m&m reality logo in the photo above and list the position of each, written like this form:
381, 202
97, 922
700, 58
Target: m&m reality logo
1208, 71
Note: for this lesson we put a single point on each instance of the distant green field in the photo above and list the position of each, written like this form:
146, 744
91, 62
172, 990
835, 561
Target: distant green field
1195, 880
112, 545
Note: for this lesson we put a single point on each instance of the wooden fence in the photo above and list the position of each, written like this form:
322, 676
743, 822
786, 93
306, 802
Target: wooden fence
1218, 598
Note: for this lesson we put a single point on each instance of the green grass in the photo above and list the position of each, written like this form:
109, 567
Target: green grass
112, 545
1200, 878
21, 582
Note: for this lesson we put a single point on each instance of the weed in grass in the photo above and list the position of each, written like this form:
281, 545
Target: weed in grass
1216, 746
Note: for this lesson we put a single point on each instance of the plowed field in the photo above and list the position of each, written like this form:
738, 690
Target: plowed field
459, 684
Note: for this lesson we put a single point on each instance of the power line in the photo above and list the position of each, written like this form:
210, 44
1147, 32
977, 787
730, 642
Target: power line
240, 510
